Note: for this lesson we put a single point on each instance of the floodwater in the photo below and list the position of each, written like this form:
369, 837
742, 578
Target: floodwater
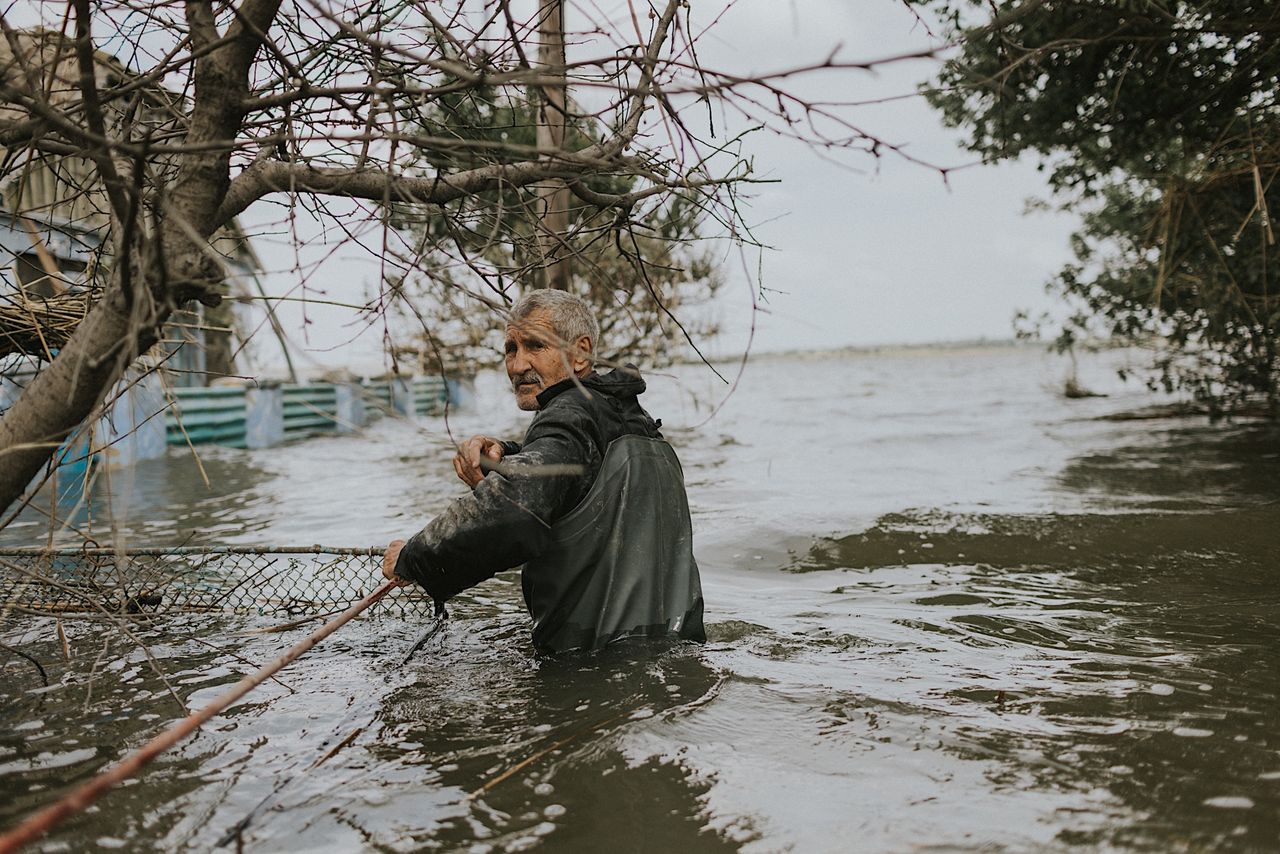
948, 610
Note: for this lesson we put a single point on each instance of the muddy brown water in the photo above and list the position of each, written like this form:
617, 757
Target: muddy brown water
948, 610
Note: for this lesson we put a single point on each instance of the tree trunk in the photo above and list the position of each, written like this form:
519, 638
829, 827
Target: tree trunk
554, 195
66, 392
152, 273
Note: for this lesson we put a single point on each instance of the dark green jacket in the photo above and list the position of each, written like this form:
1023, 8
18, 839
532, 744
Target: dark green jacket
513, 518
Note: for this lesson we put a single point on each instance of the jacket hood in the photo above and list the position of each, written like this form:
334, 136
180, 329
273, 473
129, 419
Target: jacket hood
622, 383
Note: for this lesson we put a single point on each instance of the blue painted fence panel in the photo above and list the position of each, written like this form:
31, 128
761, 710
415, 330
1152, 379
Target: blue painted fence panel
310, 409
206, 416
378, 396
429, 395
238, 417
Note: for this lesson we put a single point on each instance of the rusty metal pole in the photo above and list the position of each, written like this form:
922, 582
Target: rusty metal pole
554, 194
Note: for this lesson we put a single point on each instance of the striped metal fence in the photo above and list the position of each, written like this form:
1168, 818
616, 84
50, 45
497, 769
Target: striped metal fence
204, 416
379, 398
261, 417
429, 395
310, 409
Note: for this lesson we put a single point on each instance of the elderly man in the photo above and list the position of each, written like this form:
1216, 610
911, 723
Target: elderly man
592, 503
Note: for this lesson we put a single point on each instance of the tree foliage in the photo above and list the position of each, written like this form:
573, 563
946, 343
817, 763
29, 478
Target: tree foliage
641, 268
1158, 121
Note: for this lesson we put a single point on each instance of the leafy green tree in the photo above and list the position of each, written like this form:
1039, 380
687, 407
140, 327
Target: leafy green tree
1158, 121
640, 266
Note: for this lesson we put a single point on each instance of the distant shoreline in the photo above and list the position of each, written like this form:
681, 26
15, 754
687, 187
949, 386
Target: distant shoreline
977, 345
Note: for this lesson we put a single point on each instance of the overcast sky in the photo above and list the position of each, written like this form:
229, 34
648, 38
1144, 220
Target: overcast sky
890, 254
868, 252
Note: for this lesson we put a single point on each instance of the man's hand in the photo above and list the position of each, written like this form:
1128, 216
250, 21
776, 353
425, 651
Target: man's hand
389, 559
467, 461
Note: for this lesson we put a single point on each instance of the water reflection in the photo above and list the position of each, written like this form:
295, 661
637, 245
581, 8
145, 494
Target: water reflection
1130, 662
160, 501
1040, 655
1178, 465
535, 743
97, 706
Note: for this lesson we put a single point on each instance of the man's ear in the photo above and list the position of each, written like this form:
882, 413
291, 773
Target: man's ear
581, 355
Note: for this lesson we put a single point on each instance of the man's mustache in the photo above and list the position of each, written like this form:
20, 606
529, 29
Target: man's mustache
529, 376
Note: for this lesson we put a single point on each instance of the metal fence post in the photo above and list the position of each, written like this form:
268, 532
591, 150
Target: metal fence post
350, 401
402, 396
460, 392
133, 428
263, 416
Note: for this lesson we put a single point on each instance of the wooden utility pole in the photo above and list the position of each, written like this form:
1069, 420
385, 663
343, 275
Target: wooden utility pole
553, 195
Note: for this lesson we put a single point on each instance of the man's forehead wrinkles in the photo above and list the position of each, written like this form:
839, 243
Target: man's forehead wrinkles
529, 335
538, 320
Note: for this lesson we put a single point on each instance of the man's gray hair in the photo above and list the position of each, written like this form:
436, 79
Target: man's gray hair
571, 317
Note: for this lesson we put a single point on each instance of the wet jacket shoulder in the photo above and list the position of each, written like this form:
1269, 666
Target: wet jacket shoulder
506, 520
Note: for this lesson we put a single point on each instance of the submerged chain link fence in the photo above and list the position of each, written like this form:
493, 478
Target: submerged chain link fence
292, 580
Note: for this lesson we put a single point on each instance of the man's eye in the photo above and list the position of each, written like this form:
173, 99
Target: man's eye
535, 345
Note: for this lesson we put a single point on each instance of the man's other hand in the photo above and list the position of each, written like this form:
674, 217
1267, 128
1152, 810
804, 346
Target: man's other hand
467, 461
389, 559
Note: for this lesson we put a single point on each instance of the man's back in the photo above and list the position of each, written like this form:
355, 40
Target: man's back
514, 516
621, 563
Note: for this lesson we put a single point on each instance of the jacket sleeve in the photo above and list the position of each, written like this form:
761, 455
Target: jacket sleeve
506, 520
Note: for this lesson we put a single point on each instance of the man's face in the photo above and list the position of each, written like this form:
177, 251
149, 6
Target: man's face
536, 359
